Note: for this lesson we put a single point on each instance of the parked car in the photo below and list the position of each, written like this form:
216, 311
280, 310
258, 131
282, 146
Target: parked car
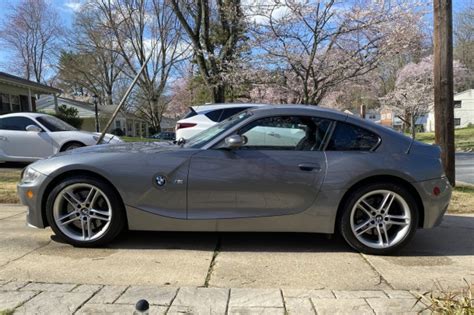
164, 135
200, 118
268, 169
27, 137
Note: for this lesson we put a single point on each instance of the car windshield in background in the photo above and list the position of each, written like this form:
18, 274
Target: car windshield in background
209, 134
55, 124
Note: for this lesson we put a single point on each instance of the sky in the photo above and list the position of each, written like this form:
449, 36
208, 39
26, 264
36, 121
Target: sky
66, 9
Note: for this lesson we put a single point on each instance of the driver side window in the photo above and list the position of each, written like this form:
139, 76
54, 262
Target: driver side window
285, 133
16, 123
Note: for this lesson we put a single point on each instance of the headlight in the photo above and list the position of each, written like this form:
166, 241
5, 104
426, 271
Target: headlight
29, 175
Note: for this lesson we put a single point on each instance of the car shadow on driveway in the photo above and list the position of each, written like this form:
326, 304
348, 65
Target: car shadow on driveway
454, 237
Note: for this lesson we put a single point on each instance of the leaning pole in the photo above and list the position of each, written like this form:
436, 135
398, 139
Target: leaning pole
125, 96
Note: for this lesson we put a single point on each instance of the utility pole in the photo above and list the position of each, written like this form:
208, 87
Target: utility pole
443, 84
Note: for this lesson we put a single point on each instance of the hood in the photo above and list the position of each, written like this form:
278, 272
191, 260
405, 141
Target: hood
131, 147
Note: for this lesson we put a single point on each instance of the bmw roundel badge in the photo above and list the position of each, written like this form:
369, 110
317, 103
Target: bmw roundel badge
160, 180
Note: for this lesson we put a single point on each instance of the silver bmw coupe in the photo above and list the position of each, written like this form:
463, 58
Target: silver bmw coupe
269, 169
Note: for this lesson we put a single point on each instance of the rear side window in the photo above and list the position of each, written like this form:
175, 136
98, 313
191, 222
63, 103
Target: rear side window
16, 123
214, 115
231, 112
347, 137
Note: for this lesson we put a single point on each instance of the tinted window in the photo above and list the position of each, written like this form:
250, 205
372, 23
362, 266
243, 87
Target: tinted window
215, 115
285, 133
16, 123
231, 112
348, 137
55, 124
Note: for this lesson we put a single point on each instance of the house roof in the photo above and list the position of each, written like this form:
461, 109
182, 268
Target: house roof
467, 94
36, 87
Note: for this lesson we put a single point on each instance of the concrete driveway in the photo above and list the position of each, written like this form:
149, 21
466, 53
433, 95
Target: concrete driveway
444, 255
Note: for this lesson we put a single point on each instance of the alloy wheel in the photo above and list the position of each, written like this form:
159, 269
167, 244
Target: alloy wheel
82, 212
380, 219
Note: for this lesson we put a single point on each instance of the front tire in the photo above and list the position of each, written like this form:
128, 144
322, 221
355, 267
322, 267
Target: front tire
379, 218
72, 146
85, 211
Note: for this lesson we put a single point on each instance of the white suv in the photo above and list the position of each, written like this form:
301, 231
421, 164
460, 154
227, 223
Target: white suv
200, 118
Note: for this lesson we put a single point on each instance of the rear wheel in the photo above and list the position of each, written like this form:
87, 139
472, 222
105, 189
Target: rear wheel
379, 218
85, 211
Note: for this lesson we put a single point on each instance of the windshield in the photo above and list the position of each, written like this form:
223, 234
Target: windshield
207, 135
55, 124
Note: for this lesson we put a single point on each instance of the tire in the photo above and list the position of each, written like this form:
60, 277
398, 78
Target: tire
71, 146
90, 210
363, 212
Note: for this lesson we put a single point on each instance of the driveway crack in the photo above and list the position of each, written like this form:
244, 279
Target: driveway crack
382, 279
25, 254
213, 262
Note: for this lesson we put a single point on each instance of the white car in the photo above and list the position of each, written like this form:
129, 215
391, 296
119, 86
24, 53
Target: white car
27, 137
200, 118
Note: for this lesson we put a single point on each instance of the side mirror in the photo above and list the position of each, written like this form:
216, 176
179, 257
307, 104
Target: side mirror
33, 128
234, 141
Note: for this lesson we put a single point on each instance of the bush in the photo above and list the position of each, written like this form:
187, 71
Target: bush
69, 115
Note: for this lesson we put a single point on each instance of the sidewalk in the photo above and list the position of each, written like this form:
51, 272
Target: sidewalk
64, 298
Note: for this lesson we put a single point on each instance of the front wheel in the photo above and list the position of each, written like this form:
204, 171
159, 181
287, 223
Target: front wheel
85, 211
379, 218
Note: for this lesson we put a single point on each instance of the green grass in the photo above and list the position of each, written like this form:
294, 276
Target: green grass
464, 138
137, 139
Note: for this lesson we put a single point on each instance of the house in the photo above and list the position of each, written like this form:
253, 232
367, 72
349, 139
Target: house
19, 95
130, 124
371, 114
463, 111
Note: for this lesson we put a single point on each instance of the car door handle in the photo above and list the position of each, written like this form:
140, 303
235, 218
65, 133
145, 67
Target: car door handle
3, 138
308, 167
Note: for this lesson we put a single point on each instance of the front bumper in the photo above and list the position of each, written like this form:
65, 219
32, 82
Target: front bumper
34, 215
435, 206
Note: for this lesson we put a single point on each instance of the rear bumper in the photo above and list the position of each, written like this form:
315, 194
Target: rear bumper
434, 206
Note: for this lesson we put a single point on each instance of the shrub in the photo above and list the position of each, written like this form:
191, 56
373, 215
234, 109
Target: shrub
69, 115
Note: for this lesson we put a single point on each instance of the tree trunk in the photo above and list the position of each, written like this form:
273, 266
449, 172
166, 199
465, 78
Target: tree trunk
218, 94
443, 85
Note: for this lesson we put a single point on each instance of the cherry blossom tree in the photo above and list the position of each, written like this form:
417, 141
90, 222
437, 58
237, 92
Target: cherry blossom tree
317, 45
413, 94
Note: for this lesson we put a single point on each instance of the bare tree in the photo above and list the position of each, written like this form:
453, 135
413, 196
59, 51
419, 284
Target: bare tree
215, 30
464, 38
31, 31
94, 63
317, 45
138, 27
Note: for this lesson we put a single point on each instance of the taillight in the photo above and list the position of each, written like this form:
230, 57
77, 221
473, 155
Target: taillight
184, 125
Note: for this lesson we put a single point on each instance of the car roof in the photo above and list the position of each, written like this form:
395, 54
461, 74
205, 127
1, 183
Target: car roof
208, 107
23, 114
297, 109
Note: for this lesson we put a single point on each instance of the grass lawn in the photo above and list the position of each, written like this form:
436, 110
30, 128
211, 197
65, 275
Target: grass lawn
8, 181
464, 138
137, 139
461, 202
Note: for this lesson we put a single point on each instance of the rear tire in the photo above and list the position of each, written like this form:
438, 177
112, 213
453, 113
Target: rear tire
379, 218
85, 212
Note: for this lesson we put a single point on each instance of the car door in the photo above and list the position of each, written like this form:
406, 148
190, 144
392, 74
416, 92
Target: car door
263, 177
17, 143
